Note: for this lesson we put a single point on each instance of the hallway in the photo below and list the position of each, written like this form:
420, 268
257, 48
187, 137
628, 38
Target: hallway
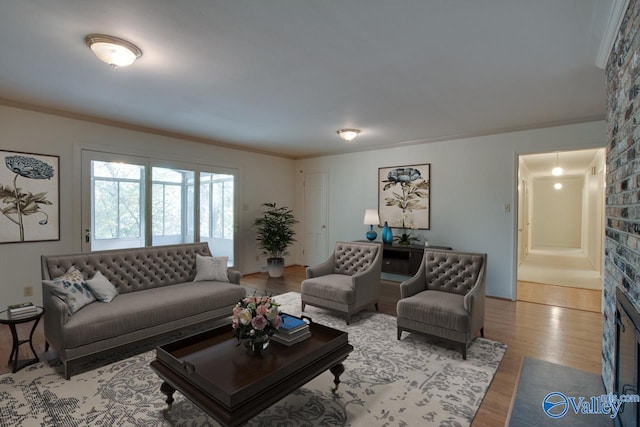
561, 267
562, 278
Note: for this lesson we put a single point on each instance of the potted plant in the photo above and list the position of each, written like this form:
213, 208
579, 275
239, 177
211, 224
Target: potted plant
405, 239
275, 234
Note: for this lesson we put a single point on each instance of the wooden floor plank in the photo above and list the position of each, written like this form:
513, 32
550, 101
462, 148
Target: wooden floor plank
556, 334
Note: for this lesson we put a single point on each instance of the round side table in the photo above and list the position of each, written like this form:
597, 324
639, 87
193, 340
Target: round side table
6, 319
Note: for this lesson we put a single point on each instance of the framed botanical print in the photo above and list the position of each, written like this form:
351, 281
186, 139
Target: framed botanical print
29, 197
404, 196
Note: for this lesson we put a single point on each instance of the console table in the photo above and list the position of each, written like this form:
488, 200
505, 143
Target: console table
405, 260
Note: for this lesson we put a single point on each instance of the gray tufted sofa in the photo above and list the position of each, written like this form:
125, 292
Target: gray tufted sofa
445, 298
156, 295
346, 282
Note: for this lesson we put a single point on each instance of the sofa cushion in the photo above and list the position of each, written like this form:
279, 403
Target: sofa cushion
71, 288
332, 287
443, 309
134, 311
211, 268
102, 288
350, 258
452, 272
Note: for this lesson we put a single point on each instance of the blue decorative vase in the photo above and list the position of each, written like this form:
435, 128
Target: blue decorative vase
371, 234
387, 235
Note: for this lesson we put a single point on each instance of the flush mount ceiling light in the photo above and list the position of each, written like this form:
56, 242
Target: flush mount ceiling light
113, 50
557, 186
557, 171
348, 134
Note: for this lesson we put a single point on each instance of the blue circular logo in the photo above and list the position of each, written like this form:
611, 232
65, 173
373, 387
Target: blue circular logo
555, 404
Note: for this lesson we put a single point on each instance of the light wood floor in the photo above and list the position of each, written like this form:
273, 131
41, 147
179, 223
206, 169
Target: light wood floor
556, 334
561, 296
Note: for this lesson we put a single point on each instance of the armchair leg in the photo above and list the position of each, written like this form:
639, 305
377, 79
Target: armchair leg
303, 305
399, 334
463, 350
348, 318
46, 346
377, 307
482, 332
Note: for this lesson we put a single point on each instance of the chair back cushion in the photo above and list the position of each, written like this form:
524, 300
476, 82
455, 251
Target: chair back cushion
452, 272
352, 258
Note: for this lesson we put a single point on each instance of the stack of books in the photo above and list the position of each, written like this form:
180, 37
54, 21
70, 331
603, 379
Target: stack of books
19, 311
292, 330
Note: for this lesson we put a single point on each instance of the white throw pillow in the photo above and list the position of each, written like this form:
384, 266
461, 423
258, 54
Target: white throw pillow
102, 288
211, 268
71, 288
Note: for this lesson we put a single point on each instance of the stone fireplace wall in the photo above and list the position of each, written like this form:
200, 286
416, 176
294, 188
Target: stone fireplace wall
622, 228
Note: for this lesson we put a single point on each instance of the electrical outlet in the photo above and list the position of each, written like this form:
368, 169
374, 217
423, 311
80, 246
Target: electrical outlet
28, 291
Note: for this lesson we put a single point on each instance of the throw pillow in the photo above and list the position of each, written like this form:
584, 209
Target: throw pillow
71, 288
211, 268
102, 288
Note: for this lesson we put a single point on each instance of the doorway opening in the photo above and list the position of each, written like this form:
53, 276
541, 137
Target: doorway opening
561, 228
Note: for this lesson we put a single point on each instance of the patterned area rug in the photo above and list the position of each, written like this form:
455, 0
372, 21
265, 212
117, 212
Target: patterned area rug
386, 383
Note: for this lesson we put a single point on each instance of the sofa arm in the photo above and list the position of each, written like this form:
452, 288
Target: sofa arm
56, 316
234, 276
416, 284
322, 269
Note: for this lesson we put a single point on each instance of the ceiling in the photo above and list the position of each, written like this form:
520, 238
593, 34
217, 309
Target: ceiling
572, 162
282, 76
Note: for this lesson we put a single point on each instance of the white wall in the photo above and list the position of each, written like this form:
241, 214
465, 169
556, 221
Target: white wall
262, 179
594, 211
556, 215
471, 181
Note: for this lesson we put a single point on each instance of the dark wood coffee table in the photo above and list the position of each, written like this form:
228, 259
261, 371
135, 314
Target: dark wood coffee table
233, 386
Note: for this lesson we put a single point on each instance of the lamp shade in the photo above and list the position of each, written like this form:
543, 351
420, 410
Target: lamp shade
371, 217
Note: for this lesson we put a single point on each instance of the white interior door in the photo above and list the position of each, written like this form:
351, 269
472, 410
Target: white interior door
315, 217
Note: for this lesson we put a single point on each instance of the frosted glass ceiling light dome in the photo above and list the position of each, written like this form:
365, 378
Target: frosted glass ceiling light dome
113, 50
557, 171
348, 134
557, 186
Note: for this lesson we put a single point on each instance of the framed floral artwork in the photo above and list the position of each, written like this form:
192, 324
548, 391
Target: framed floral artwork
29, 197
404, 196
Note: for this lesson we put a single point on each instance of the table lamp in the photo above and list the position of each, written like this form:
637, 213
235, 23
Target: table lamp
371, 218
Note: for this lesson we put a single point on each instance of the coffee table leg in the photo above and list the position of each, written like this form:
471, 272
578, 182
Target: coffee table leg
168, 390
337, 370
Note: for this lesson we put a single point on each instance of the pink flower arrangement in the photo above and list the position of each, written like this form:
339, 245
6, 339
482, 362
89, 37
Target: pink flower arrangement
255, 319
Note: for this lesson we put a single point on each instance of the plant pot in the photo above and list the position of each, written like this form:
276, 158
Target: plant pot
275, 266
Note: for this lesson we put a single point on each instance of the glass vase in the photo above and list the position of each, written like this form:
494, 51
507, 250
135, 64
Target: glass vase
387, 235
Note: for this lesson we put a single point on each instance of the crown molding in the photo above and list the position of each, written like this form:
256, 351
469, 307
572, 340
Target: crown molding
616, 14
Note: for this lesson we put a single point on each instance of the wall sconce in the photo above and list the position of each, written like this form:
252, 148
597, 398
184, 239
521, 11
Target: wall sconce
371, 218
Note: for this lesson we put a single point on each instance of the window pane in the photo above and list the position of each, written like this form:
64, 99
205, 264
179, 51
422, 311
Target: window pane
228, 210
116, 170
117, 210
105, 223
129, 209
173, 210
157, 209
205, 209
217, 213
168, 175
170, 208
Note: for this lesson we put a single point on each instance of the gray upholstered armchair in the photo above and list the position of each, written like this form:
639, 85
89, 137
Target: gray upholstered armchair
346, 282
445, 298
